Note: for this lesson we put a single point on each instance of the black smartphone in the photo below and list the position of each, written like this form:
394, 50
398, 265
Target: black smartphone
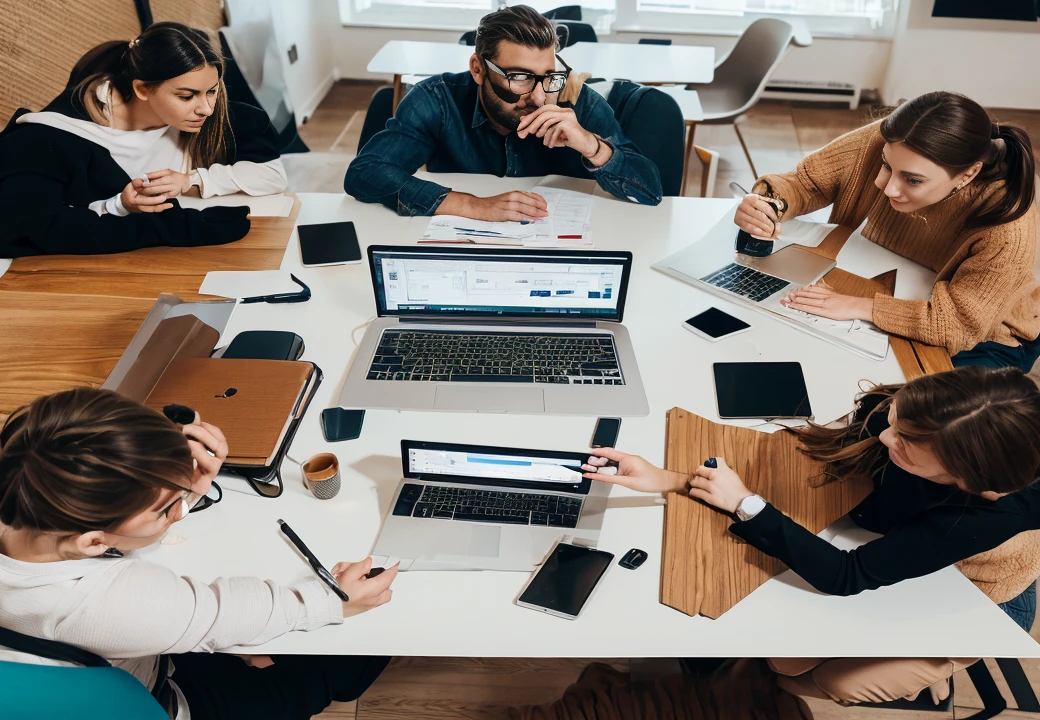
606, 432
565, 581
329, 244
339, 424
713, 324
265, 345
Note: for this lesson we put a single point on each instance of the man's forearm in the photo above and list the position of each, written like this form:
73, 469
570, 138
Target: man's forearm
456, 203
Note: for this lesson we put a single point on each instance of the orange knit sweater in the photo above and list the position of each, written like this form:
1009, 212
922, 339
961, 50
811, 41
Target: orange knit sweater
985, 288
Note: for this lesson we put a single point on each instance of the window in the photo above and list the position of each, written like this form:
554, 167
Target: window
871, 9
459, 15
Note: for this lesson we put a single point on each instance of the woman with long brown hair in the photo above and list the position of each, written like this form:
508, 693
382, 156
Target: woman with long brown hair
953, 458
940, 182
140, 123
86, 478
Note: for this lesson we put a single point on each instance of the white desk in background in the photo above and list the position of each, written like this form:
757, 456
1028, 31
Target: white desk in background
472, 613
612, 61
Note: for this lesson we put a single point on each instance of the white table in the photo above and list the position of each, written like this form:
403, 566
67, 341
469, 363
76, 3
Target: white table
611, 61
472, 613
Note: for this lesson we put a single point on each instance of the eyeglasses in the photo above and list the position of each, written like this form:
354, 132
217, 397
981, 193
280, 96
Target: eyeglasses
297, 297
523, 83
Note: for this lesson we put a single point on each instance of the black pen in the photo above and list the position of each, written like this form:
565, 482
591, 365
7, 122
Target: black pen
324, 574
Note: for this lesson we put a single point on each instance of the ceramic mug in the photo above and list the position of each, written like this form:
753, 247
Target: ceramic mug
321, 476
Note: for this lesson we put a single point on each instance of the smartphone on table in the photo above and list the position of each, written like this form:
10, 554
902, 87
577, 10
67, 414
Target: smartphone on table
329, 244
606, 433
714, 324
565, 581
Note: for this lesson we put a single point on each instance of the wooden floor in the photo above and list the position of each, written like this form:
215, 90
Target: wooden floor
778, 135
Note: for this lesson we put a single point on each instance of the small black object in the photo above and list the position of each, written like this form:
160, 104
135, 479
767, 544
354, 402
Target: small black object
749, 245
341, 424
180, 414
294, 297
332, 243
374, 572
633, 559
606, 432
265, 345
230, 392
711, 463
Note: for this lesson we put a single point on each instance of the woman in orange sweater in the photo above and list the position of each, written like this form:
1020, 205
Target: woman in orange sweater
940, 183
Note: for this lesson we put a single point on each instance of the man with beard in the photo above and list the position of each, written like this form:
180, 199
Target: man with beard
500, 118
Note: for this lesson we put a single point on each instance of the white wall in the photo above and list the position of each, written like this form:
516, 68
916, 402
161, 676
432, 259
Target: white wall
992, 62
313, 26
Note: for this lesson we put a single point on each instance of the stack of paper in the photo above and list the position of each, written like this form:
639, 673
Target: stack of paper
567, 225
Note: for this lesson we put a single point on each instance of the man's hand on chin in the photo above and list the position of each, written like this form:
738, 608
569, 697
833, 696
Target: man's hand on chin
559, 127
512, 206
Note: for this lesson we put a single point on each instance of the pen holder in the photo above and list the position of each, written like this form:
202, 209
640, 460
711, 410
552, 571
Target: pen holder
321, 476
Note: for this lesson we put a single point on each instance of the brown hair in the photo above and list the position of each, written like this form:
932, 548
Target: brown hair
983, 426
955, 132
86, 459
164, 51
518, 24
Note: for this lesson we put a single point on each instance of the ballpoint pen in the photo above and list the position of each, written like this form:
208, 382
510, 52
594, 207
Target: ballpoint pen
324, 574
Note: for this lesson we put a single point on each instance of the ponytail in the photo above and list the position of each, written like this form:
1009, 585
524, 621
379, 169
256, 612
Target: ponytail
1011, 160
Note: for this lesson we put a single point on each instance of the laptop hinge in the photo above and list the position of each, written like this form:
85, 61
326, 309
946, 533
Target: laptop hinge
516, 322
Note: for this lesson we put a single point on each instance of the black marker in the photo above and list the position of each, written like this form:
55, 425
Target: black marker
324, 574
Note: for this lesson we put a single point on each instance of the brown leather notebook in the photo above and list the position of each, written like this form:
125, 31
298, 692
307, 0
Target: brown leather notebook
251, 401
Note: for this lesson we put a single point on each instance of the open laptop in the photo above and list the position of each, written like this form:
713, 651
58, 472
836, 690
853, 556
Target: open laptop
497, 330
713, 264
487, 508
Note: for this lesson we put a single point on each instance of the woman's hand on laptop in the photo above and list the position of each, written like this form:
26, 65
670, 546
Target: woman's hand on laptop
365, 593
823, 300
633, 472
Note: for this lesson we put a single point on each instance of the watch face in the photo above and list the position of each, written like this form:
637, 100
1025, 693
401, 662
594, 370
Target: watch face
752, 505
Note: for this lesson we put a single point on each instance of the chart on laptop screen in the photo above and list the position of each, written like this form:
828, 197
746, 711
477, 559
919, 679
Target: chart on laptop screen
465, 284
491, 466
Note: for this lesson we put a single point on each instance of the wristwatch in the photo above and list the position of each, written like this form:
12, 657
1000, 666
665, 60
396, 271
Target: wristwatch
749, 507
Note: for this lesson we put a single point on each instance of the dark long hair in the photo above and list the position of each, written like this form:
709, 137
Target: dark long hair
164, 51
86, 459
983, 426
955, 132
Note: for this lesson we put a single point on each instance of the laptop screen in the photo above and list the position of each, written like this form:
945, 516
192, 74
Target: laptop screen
499, 282
495, 466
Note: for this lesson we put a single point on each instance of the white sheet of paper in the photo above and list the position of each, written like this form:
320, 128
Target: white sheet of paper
4, 264
279, 205
247, 283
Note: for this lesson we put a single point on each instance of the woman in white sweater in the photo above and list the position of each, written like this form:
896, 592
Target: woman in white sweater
87, 477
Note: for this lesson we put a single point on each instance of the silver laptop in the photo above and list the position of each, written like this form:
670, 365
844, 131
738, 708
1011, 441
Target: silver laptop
497, 330
713, 264
487, 508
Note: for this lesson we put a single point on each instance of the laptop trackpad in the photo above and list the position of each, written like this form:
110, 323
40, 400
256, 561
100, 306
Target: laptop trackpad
482, 397
468, 541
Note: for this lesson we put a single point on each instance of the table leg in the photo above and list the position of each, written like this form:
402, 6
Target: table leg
397, 94
690, 128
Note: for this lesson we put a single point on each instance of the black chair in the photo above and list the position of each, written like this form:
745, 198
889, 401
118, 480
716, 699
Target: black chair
653, 121
567, 12
468, 38
380, 109
574, 32
655, 41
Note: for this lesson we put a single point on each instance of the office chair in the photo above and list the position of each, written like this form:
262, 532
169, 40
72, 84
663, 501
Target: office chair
741, 76
380, 109
39, 692
574, 32
567, 12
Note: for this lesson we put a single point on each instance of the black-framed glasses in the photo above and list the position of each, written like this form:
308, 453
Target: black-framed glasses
296, 297
523, 83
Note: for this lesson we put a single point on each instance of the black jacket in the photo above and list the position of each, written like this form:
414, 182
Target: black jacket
49, 177
926, 527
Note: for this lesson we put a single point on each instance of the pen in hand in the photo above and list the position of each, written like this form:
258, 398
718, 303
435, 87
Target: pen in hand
324, 574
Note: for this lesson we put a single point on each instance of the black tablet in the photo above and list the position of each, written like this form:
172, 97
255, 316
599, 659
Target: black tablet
766, 390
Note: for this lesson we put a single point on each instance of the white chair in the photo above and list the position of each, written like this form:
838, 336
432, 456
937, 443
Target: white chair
741, 76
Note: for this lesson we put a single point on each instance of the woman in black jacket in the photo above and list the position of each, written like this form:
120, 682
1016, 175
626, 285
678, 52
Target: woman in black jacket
139, 123
953, 458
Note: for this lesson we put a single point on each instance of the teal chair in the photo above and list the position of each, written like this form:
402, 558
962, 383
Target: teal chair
39, 692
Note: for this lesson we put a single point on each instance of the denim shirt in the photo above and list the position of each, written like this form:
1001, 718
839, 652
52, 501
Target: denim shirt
441, 124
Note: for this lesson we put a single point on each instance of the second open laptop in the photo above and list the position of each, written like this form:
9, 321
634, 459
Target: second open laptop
497, 330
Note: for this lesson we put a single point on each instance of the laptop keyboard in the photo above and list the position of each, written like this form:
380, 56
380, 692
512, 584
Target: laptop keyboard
463, 356
492, 506
752, 284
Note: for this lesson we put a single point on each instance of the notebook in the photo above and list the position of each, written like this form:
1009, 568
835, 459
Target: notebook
253, 402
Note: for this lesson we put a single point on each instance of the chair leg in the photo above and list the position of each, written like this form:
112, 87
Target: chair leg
397, 95
1019, 685
690, 129
747, 154
993, 703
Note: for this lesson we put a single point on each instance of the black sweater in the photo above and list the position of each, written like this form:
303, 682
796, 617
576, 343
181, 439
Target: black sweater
49, 177
926, 527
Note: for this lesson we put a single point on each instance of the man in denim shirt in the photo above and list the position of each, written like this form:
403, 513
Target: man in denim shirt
500, 118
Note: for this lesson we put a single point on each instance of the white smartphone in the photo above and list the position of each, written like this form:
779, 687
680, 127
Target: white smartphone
713, 324
565, 581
